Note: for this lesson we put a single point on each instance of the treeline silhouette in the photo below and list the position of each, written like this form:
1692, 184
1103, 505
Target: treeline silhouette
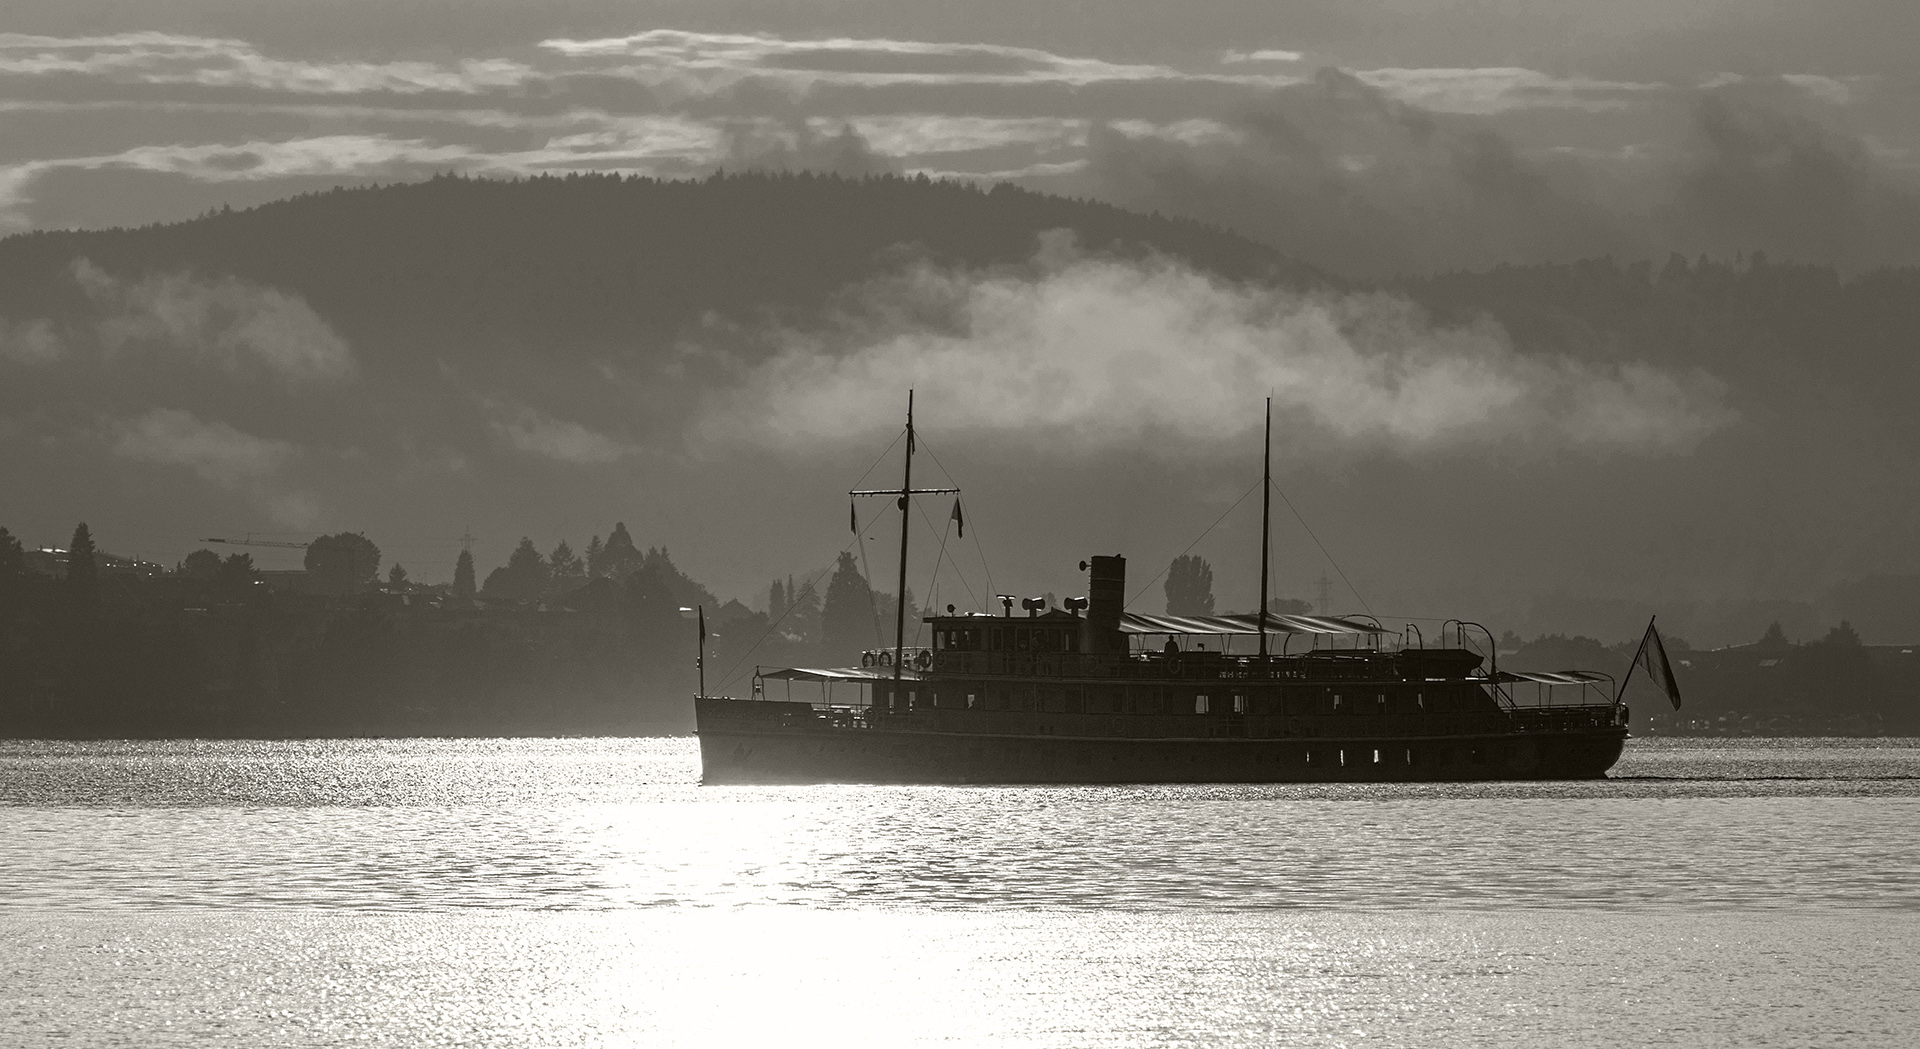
1833, 685
209, 649
551, 644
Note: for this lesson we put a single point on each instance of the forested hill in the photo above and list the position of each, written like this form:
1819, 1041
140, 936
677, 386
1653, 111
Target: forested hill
598, 257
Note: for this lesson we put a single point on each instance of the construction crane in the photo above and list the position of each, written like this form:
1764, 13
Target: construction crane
358, 581
251, 541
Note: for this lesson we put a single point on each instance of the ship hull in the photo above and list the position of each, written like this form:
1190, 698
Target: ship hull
880, 755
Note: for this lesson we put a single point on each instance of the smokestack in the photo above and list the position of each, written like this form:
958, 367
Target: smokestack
1106, 597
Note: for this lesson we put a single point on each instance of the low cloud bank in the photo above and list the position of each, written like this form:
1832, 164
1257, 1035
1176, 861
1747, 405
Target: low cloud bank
225, 322
218, 454
1081, 353
532, 432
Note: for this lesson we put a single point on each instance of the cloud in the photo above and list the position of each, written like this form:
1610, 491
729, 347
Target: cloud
1338, 173
1825, 88
215, 452
1754, 176
930, 134
231, 323
29, 342
220, 455
528, 430
1343, 174
1086, 353
638, 144
291, 158
166, 58
761, 146
1261, 56
715, 61
1499, 89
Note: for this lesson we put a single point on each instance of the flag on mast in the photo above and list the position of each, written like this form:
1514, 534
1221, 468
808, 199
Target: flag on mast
959, 522
1652, 658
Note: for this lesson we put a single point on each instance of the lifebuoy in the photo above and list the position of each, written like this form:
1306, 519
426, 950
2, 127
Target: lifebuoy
886, 659
923, 660
866, 659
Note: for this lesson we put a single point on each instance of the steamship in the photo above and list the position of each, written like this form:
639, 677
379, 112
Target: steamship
1093, 693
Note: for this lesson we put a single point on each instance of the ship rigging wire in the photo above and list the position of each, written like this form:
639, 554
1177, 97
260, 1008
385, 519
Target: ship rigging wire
866, 568
1148, 585
920, 442
1323, 549
859, 538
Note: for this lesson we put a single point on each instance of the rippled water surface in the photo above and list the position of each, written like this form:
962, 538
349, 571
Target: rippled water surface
590, 892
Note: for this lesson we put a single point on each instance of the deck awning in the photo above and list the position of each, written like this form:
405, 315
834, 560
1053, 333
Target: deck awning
1242, 625
864, 674
1551, 677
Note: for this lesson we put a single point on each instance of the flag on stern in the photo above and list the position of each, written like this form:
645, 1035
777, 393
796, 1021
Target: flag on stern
1652, 658
959, 522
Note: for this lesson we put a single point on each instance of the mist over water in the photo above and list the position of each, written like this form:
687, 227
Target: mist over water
1077, 353
582, 892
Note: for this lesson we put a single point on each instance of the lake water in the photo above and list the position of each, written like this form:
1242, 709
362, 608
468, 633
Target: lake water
590, 892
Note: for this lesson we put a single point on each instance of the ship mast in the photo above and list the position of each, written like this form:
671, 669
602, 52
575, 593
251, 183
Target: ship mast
1266, 511
900, 592
905, 494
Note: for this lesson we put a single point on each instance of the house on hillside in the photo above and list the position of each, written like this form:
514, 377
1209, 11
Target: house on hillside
52, 561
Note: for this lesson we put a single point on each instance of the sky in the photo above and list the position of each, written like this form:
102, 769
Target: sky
1369, 137
1579, 123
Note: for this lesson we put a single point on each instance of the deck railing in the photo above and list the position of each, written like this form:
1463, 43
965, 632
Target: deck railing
1542, 720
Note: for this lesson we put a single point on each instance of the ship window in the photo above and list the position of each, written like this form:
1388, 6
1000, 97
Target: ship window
1239, 704
973, 700
999, 639
1376, 757
1336, 702
1200, 704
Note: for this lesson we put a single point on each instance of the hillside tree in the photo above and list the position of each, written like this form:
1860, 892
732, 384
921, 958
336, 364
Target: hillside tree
619, 557
83, 570
342, 563
463, 585
1189, 586
565, 568
13, 564
201, 566
236, 575
846, 620
524, 577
